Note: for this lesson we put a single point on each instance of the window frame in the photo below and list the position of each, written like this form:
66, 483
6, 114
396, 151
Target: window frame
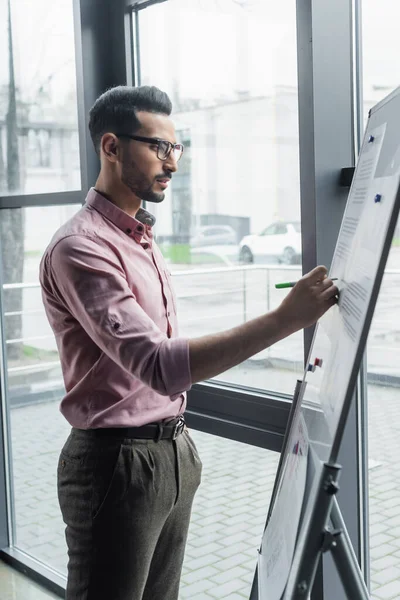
96, 70
213, 406
328, 130
62, 197
328, 143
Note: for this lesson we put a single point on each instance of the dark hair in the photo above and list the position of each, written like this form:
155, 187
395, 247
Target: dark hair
115, 110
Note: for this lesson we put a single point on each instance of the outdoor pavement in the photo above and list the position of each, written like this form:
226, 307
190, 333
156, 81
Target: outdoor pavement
230, 507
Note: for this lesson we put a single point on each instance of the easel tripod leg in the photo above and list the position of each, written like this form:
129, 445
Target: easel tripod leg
345, 559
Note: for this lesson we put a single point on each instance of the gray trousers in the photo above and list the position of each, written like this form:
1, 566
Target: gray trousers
126, 504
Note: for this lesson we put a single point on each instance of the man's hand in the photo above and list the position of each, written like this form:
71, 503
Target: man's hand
308, 300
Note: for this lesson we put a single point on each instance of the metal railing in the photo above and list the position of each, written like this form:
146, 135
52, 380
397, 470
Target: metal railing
244, 270
240, 289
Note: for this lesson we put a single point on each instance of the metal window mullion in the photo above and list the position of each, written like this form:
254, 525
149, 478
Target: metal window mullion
101, 34
142, 4
363, 479
130, 52
7, 505
136, 47
82, 130
45, 199
362, 385
326, 131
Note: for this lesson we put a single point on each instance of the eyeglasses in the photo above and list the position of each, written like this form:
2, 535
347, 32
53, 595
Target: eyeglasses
164, 147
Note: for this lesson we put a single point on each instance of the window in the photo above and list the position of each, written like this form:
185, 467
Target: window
228, 518
270, 230
381, 47
39, 146
240, 168
35, 384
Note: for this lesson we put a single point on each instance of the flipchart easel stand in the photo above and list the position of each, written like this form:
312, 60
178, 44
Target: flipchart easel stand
320, 537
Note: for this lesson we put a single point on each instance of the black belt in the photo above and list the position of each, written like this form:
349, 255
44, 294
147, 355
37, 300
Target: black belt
152, 431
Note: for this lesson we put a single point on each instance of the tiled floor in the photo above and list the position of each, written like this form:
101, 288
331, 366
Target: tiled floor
228, 515
16, 586
229, 511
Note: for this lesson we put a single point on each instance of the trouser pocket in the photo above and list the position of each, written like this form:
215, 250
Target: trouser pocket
86, 479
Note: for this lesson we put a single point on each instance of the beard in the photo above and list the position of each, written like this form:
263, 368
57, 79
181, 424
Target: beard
139, 184
150, 196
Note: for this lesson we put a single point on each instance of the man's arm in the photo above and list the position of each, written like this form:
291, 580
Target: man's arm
88, 279
85, 277
304, 305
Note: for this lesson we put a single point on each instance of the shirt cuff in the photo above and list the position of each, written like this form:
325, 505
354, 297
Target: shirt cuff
175, 366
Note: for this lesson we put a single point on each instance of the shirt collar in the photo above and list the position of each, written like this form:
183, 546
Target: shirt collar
134, 227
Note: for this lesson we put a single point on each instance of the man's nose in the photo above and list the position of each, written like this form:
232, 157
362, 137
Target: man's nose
171, 163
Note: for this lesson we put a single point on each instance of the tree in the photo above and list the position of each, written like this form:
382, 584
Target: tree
12, 220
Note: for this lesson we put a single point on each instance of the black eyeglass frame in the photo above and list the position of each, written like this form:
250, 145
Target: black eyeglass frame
157, 142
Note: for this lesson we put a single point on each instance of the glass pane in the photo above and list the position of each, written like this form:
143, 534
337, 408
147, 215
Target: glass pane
232, 502
240, 167
383, 354
271, 230
381, 47
39, 144
228, 518
35, 384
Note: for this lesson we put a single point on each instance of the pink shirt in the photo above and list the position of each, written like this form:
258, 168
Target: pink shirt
108, 296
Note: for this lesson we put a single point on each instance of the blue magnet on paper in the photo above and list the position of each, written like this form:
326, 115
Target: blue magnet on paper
378, 198
370, 139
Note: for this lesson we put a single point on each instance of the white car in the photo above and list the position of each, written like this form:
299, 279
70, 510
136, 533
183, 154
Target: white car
213, 235
280, 240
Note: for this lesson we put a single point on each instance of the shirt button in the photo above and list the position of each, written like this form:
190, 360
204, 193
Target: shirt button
168, 314
139, 228
128, 231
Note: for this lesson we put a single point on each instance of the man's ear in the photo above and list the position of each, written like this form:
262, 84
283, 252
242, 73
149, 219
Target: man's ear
109, 145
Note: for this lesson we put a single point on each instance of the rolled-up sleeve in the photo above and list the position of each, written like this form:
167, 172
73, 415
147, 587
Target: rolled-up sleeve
88, 278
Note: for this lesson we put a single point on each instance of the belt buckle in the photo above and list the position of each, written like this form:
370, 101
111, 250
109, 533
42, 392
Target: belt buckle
178, 428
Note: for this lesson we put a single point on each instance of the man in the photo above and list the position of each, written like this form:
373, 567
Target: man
129, 470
